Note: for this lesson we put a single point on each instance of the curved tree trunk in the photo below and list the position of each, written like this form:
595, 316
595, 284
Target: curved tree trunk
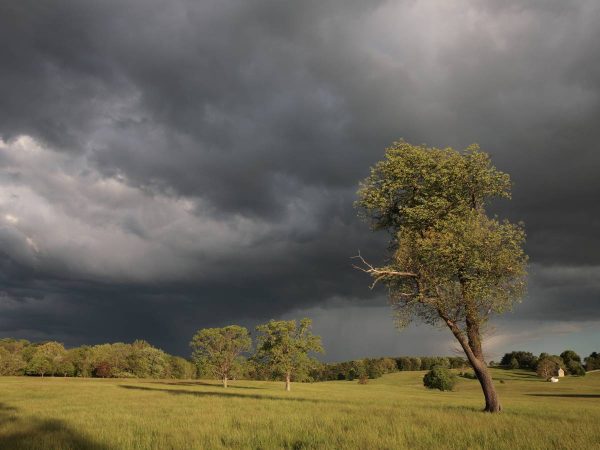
492, 402
474, 353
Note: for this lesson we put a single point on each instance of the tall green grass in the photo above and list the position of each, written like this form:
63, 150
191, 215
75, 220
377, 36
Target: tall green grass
393, 412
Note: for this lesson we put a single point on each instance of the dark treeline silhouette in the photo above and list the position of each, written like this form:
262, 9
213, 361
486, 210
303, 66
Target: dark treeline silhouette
376, 367
568, 360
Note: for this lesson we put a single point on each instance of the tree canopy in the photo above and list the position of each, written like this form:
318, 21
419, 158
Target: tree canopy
284, 345
216, 350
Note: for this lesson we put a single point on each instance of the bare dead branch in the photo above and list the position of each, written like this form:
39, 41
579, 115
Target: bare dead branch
379, 273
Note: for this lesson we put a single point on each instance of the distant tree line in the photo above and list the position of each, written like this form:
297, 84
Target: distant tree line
546, 365
376, 367
136, 360
283, 351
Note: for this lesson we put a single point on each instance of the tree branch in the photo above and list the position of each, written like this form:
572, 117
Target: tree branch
379, 273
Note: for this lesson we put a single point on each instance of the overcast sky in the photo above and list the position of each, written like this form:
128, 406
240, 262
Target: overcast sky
167, 165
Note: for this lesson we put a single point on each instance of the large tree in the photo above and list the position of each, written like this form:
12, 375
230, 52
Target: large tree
284, 345
217, 350
450, 263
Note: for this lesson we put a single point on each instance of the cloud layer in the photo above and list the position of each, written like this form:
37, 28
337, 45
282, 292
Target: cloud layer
170, 164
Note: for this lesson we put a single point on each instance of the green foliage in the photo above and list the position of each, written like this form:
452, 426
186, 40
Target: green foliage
524, 360
468, 375
11, 363
548, 365
570, 355
575, 368
181, 368
461, 262
439, 378
136, 360
38, 365
572, 363
217, 350
408, 363
285, 345
592, 362
47, 359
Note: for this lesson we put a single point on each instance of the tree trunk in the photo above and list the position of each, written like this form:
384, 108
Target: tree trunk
492, 402
288, 383
475, 356
225, 381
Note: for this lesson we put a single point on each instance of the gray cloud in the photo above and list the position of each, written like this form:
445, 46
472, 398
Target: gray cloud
198, 160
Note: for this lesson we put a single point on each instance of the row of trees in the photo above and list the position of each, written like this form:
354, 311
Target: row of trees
546, 365
139, 359
376, 367
283, 349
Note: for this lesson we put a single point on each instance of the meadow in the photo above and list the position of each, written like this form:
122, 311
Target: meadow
392, 412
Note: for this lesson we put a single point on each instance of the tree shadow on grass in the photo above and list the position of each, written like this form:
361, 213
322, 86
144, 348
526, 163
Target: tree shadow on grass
31, 433
203, 383
226, 395
519, 377
566, 395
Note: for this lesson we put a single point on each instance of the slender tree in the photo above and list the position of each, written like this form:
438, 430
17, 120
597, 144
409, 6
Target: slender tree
284, 346
449, 263
218, 349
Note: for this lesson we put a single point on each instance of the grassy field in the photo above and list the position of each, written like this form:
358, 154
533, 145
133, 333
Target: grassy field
395, 411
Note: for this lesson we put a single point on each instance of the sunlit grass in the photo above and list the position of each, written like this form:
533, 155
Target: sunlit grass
395, 411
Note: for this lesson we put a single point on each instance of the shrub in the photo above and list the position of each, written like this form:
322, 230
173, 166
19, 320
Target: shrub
469, 375
439, 378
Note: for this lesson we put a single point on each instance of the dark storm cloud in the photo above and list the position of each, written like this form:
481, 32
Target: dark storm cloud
193, 163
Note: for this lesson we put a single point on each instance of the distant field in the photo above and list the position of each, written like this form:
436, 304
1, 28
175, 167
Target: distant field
393, 412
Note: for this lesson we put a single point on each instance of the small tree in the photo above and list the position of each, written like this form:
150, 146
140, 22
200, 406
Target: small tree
284, 346
575, 368
439, 378
572, 363
546, 368
46, 358
217, 350
11, 363
38, 365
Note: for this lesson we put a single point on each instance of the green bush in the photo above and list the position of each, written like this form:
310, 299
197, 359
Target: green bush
575, 368
439, 378
469, 375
